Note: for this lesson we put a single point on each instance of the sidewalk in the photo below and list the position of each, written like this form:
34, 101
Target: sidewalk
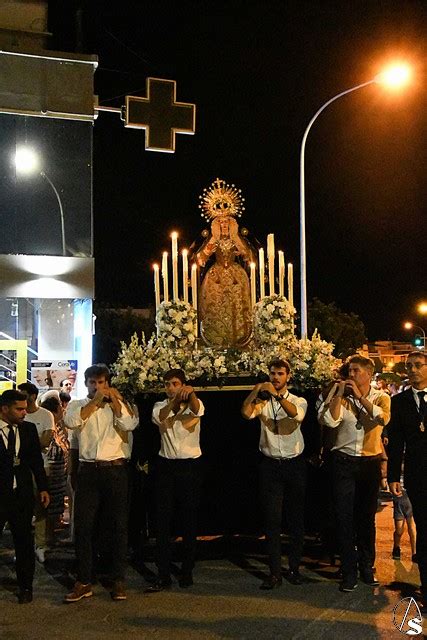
225, 601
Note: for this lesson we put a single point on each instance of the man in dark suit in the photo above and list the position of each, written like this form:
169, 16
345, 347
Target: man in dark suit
20, 457
407, 437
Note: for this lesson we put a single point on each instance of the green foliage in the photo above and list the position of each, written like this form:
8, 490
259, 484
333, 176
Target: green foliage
345, 330
114, 325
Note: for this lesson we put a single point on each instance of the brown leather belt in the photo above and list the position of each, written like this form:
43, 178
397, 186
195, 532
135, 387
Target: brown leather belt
105, 463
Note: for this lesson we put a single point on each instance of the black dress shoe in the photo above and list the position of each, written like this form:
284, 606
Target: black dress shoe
25, 596
159, 585
294, 577
185, 580
272, 582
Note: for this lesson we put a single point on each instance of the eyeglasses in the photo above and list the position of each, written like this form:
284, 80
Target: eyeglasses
415, 365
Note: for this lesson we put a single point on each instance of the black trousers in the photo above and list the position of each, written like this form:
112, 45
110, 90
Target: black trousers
356, 483
178, 490
101, 490
417, 492
283, 481
19, 512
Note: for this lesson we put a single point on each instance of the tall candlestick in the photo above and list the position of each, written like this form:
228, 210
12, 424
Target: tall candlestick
261, 274
185, 275
194, 291
270, 257
165, 277
253, 284
281, 273
291, 284
156, 285
174, 237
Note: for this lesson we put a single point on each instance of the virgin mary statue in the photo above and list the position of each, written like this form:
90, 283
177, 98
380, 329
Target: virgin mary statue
225, 312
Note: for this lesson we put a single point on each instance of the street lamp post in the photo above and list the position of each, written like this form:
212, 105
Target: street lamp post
303, 253
394, 76
26, 162
61, 209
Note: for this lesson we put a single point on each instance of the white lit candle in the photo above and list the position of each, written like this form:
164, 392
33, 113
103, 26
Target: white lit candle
253, 284
185, 275
291, 284
261, 274
194, 290
281, 273
165, 277
174, 237
270, 258
156, 285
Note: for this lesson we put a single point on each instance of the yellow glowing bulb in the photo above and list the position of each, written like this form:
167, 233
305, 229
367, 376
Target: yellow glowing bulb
395, 76
422, 307
408, 325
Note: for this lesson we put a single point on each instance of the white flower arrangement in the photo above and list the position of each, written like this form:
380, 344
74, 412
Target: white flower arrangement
176, 324
141, 365
272, 320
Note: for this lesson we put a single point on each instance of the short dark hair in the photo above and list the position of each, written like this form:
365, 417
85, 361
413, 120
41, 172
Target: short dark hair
98, 371
279, 363
65, 380
414, 354
367, 363
64, 396
28, 387
51, 403
10, 396
174, 373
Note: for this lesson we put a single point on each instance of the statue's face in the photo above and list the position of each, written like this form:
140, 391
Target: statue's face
224, 226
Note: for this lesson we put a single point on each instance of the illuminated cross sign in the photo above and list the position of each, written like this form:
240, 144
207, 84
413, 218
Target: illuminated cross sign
160, 115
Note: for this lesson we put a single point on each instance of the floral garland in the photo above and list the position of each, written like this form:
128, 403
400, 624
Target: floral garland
176, 324
141, 365
273, 320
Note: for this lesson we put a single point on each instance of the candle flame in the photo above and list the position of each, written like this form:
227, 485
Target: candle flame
155, 267
174, 235
185, 252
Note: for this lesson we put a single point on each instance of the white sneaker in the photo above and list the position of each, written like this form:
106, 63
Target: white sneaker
40, 554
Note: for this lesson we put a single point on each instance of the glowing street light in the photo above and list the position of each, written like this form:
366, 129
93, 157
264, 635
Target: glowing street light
422, 308
27, 163
410, 325
395, 76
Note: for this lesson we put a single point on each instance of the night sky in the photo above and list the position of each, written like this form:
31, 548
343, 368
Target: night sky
258, 71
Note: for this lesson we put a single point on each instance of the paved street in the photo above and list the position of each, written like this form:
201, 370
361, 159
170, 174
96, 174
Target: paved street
225, 602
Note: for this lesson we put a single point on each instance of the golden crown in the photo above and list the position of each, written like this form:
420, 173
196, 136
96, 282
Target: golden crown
221, 199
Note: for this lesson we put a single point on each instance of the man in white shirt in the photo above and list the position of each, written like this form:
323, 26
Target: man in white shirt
282, 468
103, 422
359, 413
45, 424
179, 474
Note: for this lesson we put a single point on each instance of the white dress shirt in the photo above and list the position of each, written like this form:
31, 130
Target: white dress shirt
358, 434
180, 438
281, 435
4, 431
44, 421
102, 436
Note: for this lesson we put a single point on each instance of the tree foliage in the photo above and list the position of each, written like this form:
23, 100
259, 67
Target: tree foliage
345, 330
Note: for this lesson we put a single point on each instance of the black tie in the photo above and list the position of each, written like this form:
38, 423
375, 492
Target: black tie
421, 397
11, 441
